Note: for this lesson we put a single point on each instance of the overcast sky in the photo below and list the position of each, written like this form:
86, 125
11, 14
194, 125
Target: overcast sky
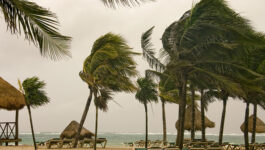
85, 21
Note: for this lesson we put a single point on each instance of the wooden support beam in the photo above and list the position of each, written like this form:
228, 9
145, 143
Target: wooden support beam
16, 133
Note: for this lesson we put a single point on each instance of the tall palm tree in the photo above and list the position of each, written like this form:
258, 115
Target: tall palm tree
35, 96
38, 24
146, 93
252, 93
166, 83
109, 66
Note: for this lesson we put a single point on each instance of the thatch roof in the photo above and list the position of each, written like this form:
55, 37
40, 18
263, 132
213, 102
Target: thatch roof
260, 125
188, 116
71, 130
10, 97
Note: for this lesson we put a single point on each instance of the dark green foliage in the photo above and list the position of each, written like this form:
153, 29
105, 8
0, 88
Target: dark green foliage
146, 91
102, 100
34, 92
39, 25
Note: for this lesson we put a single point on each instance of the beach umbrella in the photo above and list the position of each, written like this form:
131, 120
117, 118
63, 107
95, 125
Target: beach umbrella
10, 97
260, 125
188, 117
71, 130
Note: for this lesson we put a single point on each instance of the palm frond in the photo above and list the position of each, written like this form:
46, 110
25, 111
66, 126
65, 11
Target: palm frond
149, 51
39, 25
126, 3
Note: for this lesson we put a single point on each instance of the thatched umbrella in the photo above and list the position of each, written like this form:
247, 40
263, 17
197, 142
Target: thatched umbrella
11, 99
260, 125
71, 130
198, 126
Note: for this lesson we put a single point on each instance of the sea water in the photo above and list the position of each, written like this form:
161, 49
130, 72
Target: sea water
118, 139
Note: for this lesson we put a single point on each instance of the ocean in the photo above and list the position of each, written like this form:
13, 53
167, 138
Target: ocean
117, 139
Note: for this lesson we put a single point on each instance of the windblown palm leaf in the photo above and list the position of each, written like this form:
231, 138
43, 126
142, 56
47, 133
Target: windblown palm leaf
128, 3
149, 51
39, 25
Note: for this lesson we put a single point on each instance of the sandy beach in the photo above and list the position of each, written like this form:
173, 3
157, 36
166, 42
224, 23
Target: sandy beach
27, 147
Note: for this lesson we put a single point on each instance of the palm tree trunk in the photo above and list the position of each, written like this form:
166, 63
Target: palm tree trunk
246, 127
96, 129
83, 117
202, 116
183, 111
179, 124
31, 125
222, 122
16, 135
164, 122
146, 125
192, 113
253, 139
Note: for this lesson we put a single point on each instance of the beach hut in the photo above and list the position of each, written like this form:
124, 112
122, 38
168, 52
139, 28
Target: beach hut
71, 130
188, 117
260, 125
11, 99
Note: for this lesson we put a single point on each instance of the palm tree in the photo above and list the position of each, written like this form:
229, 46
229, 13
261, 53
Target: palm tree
35, 96
165, 83
210, 51
252, 93
38, 24
146, 93
109, 66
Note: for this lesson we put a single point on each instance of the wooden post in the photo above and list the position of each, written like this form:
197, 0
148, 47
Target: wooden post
7, 125
16, 134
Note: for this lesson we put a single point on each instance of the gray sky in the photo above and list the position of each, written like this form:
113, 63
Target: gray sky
85, 21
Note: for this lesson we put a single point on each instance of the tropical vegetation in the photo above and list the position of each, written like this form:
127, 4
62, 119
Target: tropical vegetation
107, 69
213, 49
146, 93
38, 25
35, 96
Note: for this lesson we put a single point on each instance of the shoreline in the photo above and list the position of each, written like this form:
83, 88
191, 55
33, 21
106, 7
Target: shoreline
29, 147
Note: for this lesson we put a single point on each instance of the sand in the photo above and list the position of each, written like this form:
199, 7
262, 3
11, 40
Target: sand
25, 147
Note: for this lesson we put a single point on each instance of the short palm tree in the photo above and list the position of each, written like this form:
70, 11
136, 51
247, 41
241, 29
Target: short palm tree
35, 96
38, 24
146, 93
109, 66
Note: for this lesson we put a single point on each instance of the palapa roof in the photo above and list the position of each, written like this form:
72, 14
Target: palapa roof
260, 125
188, 116
10, 97
71, 130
